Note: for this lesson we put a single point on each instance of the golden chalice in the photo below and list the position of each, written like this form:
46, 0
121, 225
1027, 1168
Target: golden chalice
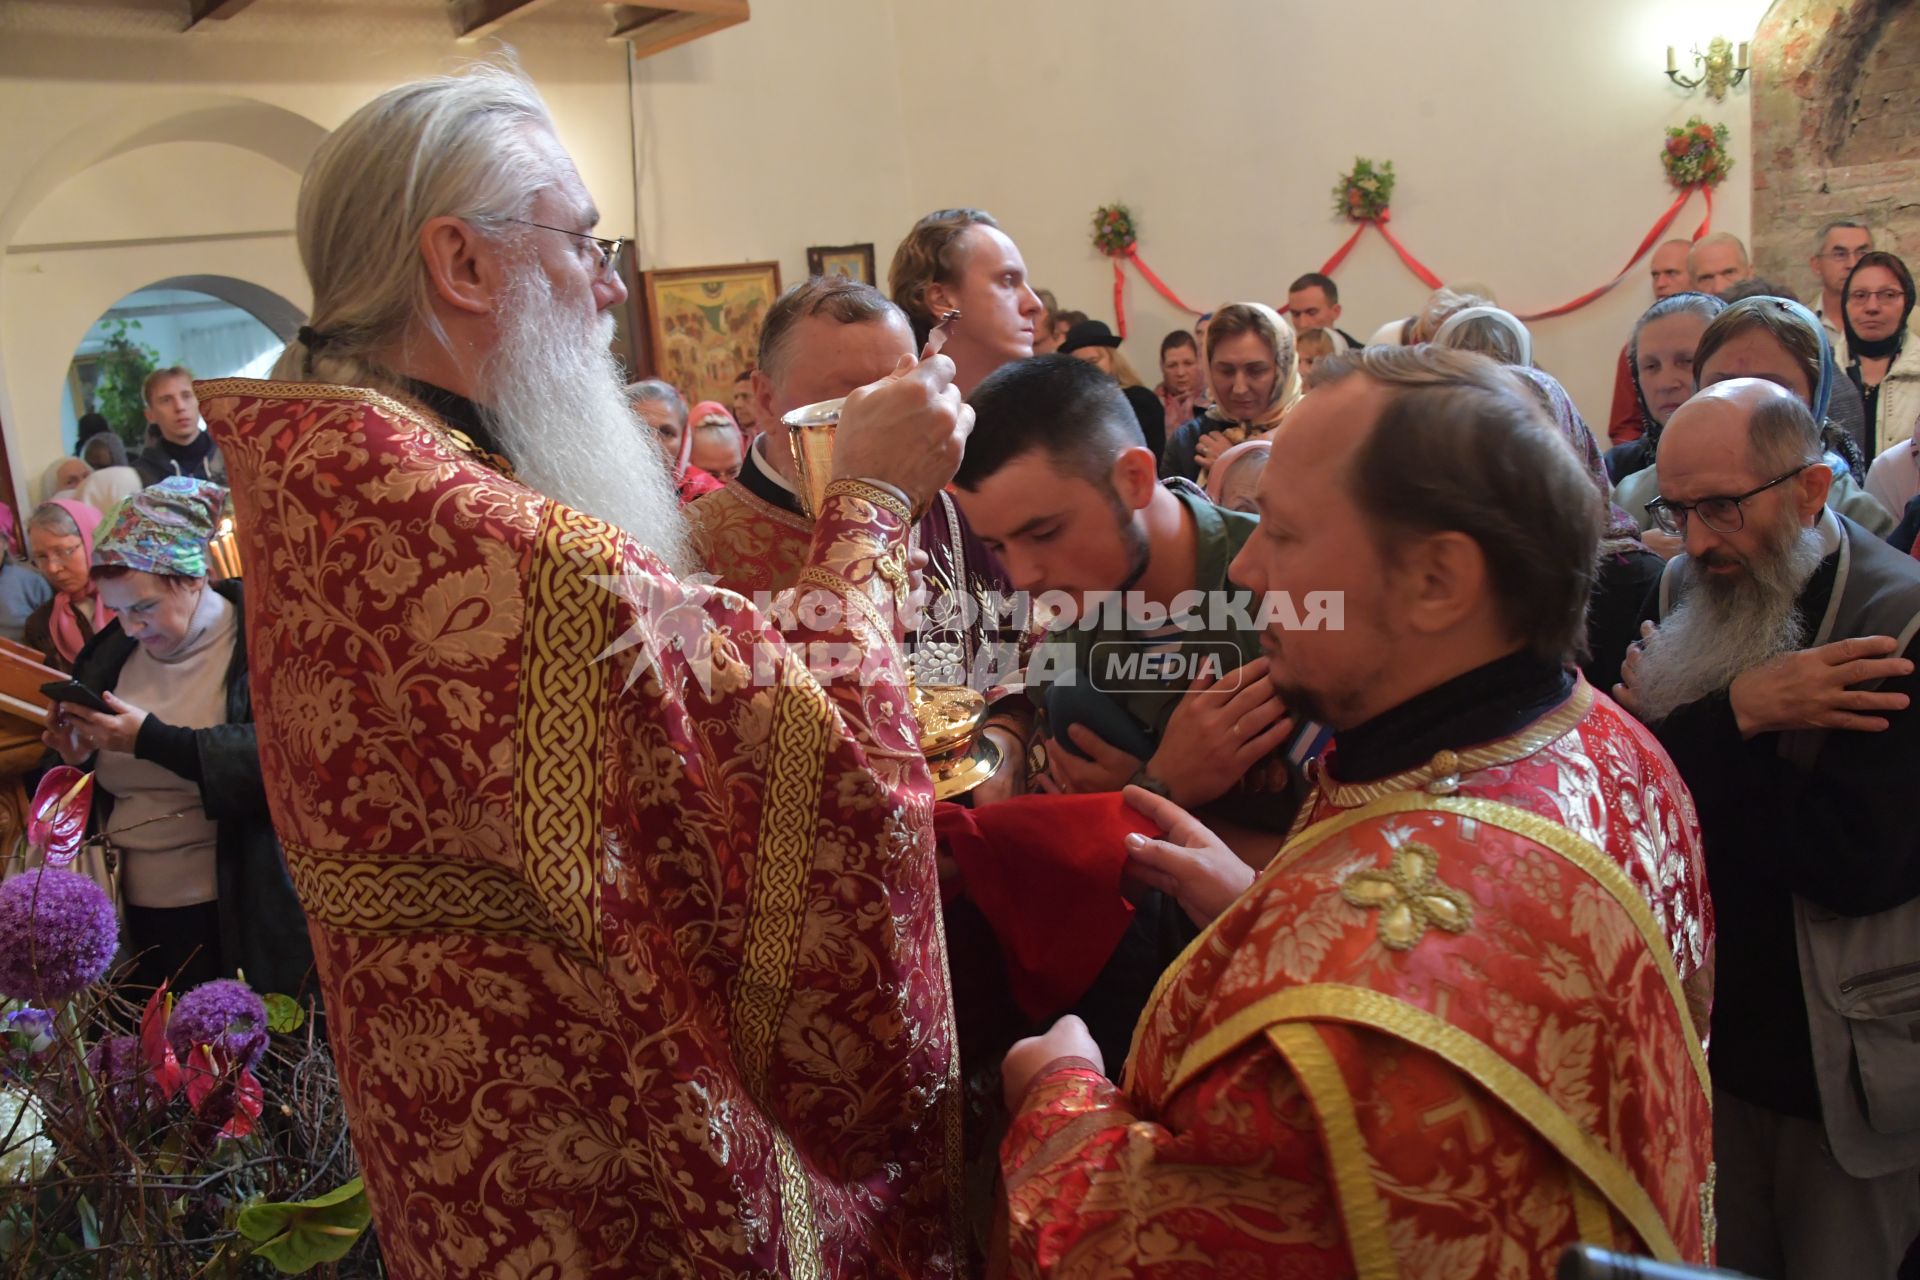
959, 756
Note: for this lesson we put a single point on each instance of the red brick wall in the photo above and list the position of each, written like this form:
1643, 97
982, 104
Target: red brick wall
1836, 128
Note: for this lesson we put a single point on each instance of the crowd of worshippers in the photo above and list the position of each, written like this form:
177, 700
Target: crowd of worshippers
120, 589
1059, 492
1718, 569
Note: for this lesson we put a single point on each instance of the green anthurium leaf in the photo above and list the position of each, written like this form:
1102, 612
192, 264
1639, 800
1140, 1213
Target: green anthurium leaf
284, 1013
296, 1236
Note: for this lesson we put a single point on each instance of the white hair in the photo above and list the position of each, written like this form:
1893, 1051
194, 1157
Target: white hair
449, 146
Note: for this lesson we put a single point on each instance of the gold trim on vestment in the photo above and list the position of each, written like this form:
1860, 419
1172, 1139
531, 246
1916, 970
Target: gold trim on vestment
797, 748
1512, 1087
1362, 1211
360, 892
560, 722
1590, 1216
1542, 732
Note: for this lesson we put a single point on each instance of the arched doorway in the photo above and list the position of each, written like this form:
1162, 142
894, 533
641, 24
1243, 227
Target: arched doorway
214, 326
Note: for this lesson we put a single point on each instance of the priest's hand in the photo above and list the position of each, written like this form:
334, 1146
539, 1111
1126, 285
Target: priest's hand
1067, 1038
1221, 729
107, 732
1810, 689
1191, 865
906, 430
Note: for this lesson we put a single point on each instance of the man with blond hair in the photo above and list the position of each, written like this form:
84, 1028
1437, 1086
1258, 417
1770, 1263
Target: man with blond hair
960, 260
623, 900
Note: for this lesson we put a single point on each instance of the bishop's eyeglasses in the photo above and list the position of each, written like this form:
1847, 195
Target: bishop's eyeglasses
609, 249
1722, 514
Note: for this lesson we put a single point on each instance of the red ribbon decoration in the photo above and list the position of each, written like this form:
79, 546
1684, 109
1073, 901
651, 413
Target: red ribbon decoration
1379, 224
1432, 281
1658, 229
1160, 287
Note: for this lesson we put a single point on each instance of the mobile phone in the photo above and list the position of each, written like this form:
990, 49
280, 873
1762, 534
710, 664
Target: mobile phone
75, 692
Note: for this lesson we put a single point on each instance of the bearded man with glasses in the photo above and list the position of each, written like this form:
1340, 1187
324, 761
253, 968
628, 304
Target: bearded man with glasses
1779, 680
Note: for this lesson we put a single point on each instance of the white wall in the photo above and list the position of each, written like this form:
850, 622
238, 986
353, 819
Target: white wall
117, 129
1525, 136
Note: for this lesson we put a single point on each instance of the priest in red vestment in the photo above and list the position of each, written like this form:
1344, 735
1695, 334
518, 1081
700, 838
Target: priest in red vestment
623, 903
1456, 1025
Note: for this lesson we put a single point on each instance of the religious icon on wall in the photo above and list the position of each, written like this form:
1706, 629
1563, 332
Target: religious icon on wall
854, 261
703, 324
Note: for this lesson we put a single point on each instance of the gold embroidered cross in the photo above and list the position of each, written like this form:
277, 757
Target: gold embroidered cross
1409, 897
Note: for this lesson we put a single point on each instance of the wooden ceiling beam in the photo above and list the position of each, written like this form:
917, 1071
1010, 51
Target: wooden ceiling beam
654, 28
476, 19
199, 11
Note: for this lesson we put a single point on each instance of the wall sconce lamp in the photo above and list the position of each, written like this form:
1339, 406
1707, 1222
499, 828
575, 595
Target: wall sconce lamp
1721, 68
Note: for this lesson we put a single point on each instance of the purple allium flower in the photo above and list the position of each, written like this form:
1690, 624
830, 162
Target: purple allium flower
58, 933
225, 1015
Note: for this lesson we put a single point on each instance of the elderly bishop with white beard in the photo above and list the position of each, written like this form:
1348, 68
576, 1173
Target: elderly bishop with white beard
626, 919
1779, 681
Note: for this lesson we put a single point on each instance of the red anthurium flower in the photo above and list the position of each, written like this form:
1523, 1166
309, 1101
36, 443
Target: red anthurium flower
161, 1064
57, 818
221, 1093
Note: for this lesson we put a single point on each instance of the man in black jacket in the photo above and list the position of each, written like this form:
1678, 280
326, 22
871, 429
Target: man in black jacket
1771, 623
184, 447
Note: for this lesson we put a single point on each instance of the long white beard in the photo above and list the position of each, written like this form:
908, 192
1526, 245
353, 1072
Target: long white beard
554, 396
1723, 628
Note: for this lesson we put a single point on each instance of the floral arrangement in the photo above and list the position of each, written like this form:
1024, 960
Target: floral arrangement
1113, 232
202, 1136
1696, 154
1364, 194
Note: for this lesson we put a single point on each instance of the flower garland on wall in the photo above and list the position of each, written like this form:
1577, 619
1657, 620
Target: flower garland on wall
1694, 156
1114, 236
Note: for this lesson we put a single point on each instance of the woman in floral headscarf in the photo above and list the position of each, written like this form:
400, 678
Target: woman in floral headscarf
176, 764
1255, 378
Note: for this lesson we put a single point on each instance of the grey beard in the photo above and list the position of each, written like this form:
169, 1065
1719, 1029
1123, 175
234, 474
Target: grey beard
1722, 629
554, 396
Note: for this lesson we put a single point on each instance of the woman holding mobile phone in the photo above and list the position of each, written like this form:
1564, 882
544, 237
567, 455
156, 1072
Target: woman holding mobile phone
177, 766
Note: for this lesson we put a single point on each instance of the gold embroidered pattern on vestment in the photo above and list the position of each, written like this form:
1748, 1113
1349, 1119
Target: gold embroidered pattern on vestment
373, 894
561, 719
796, 765
1409, 896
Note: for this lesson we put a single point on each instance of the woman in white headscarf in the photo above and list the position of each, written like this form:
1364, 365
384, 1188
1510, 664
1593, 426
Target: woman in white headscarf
1491, 332
1255, 376
62, 478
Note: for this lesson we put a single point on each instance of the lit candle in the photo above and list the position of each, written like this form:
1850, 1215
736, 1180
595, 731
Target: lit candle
1672, 64
1741, 64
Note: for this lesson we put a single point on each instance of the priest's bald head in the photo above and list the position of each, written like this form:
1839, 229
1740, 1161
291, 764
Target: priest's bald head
450, 241
1426, 489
